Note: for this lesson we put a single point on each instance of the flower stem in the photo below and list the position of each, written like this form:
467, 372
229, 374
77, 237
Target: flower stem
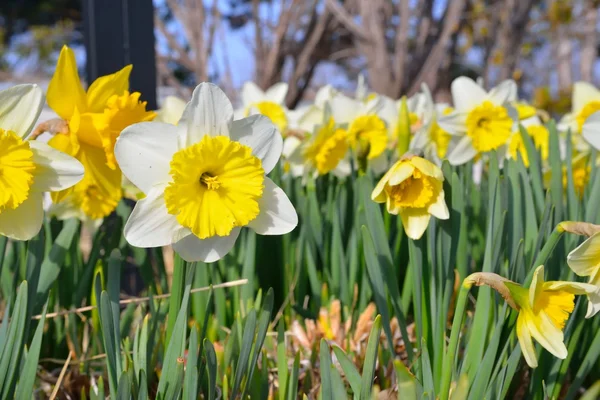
545, 251
450, 356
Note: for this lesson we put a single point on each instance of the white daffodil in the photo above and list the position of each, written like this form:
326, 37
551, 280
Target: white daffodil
585, 102
270, 103
591, 131
28, 168
480, 120
585, 261
420, 111
171, 110
204, 179
430, 139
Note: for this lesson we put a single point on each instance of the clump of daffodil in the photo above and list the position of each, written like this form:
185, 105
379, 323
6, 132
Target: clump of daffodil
28, 168
480, 120
585, 261
544, 308
413, 188
92, 121
538, 133
270, 103
204, 179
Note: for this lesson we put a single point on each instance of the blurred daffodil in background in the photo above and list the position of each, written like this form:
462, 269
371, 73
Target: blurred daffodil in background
92, 121
28, 168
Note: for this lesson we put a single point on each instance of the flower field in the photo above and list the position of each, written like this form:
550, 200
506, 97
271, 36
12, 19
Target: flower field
356, 246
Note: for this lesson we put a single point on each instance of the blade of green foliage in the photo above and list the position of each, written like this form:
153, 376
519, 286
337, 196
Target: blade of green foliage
282, 367
10, 357
244, 356
124, 390
368, 374
190, 383
29, 370
407, 383
351, 373
211, 368
143, 393
292, 387
325, 369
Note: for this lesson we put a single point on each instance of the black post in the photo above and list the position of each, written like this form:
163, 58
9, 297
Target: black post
121, 32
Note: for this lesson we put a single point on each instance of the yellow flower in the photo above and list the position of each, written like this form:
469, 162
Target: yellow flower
95, 119
231, 184
368, 133
269, 103
544, 308
327, 148
413, 188
489, 126
274, 112
524, 110
540, 136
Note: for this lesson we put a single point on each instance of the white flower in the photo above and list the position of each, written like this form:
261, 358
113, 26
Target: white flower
204, 179
270, 103
28, 168
480, 119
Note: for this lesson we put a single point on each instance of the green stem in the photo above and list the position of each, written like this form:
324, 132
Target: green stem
545, 251
177, 286
450, 358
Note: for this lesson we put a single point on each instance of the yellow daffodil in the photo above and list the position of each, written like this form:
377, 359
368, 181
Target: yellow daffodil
204, 179
27, 167
270, 103
585, 261
413, 188
480, 119
94, 119
538, 133
326, 148
544, 308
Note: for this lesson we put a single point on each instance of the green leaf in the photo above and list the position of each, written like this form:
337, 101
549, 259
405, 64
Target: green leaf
352, 375
29, 370
282, 368
211, 368
325, 367
10, 359
190, 383
292, 387
56, 259
244, 356
407, 383
366, 386
124, 391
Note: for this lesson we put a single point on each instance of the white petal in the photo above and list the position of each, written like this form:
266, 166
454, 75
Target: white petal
583, 93
208, 113
466, 94
324, 95
25, 221
591, 130
251, 94
290, 146
462, 152
277, 93
144, 153
171, 110
343, 169
454, 123
379, 164
54, 170
549, 336
344, 109
277, 214
20, 107
259, 133
150, 224
505, 92
191, 248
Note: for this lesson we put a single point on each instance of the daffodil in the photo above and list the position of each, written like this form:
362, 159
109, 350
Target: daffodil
544, 308
585, 102
480, 119
204, 179
28, 168
93, 120
585, 261
270, 103
171, 110
326, 150
413, 188
538, 133
420, 111
367, 132
431, 139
